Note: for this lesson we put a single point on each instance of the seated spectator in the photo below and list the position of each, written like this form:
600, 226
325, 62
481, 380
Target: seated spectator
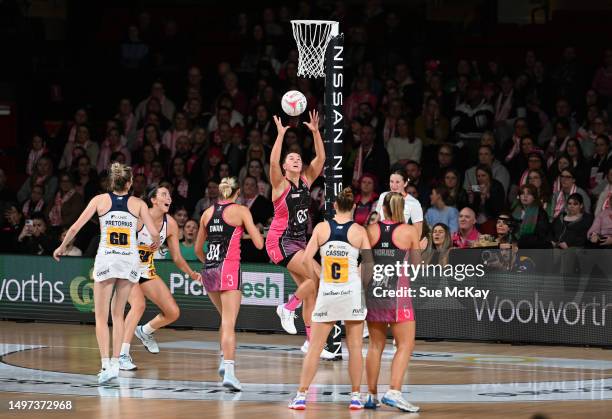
152, 137
85, 179
389, 124
126, 117
404, 146
467, 234
568, 187
601, 160
486, 157
42, 176
438, 247
10, 228
68, 204
256, 169
505, 231
183, 150
413, 212
262, 211
82, 140
439, 212
563, 162
605, 196
178, 177
139, 186
569, 228
578, 162
36, 203
431, 126
366, 199
472, 118
445, 161
38, 148
457, 196
558, 143
413, 169
187, 245
369, 157
537, 178
167, 107
533, 229
145, 158
600, 233
34, 239
562, 110
512, 145
486, 198
359, 94
180, 215
112, 144
179, 128
519, 162
71, 249
210, 198
508, 106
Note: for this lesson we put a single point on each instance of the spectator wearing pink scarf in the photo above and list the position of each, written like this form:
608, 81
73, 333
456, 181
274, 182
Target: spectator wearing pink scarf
467, 234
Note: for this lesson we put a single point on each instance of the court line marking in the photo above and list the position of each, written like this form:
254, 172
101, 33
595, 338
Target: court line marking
386, 356
51, 382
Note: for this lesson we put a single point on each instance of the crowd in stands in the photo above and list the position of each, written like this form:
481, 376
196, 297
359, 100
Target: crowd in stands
520, 153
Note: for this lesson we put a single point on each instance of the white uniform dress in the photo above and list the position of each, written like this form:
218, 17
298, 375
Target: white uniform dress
118, 250
341, 294
147, 265
413, 211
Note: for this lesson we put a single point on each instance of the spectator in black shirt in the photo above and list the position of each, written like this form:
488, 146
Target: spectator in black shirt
34, 238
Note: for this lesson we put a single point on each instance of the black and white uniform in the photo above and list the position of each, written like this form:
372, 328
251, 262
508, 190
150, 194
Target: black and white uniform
117, 255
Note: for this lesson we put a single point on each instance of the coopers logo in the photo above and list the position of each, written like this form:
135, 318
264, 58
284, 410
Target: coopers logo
536, 311
35, 290
258, 288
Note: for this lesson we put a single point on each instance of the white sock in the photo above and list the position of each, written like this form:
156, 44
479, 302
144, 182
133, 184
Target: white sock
114, 362
105, 363
125, 348
148, 329
229, 367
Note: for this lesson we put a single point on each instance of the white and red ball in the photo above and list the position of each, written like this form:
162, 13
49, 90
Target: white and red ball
294, 103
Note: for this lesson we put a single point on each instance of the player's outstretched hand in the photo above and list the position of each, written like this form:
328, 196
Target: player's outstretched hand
279, 125
57, 253
196, 276
313, 125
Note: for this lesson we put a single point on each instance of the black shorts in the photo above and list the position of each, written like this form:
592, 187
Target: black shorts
142, 279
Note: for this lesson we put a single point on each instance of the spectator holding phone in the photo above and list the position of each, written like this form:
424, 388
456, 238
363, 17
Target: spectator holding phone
34, 239
600, 233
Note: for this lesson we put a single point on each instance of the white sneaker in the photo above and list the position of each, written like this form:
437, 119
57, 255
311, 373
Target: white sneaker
147, 340
126, 364
394, 398
104, 376
230, 381
325, 354
286, 318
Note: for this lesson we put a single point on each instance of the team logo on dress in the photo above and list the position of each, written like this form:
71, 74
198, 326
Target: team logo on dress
302, 215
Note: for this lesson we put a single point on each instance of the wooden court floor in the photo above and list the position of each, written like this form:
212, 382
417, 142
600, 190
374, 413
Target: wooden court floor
43, 361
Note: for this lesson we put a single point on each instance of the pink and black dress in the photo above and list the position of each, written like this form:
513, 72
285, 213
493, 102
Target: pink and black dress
287, 234
381, 307
222, 262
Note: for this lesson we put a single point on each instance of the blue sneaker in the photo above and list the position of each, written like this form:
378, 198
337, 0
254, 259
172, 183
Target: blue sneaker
355, 403
371, 402
393, 398
298, 402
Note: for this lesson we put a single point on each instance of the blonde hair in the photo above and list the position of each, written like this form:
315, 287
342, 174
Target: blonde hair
228, 187
345, 200
393, 207
119, 176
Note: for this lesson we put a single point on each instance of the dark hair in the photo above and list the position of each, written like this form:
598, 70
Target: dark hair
576, 197
533, 191
605, 138
38, 215
152, 193
443, 191
564, 122
401, 173
570, 170
488, 147
485, 169
345, 200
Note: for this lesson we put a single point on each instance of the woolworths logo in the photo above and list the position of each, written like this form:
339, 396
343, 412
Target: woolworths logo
81, 294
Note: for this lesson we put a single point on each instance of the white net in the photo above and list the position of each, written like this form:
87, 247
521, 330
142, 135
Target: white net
312, 37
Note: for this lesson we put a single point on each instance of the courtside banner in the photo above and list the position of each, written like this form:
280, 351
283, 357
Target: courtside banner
544, 296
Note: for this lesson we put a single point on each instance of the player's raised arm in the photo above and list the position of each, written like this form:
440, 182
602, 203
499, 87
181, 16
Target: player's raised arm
316, 166
74, 229
276, 174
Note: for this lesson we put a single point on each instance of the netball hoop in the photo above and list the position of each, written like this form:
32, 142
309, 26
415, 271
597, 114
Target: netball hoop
312, 38
321, 54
